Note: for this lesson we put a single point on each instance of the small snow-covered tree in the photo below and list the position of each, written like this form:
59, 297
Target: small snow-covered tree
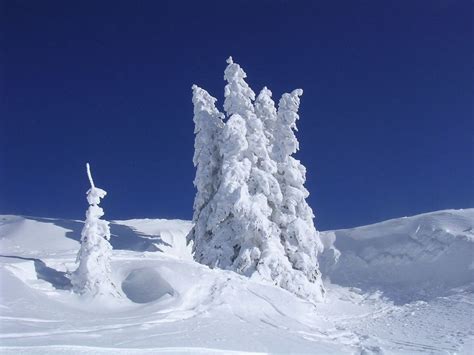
208, 128
93, 275
294, 216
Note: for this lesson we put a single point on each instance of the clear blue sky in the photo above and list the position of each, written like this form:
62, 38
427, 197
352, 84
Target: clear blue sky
386, 125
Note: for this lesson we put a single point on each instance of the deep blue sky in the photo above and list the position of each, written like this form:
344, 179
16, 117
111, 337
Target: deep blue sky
386, 125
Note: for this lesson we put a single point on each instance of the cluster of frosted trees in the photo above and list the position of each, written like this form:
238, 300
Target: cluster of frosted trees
250, 210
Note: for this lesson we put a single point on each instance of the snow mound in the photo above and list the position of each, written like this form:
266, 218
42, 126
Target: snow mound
145, 285
411, 258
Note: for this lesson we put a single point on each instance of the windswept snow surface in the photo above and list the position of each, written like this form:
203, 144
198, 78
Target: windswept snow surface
400, 286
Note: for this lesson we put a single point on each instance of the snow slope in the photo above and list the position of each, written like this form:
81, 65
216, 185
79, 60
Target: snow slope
400, 286
409, 259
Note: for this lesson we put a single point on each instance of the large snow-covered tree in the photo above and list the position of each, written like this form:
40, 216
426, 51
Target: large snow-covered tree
294, 216
252, 216
93, 275
239, 226
241, 229
208, 128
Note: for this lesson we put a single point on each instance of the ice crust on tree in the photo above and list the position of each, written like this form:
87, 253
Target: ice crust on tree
93, 275
242, 221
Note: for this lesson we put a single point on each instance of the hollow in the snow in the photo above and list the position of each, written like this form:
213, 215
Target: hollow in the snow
145, 285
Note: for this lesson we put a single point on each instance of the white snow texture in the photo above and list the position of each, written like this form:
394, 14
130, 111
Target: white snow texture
250, 211
403, 286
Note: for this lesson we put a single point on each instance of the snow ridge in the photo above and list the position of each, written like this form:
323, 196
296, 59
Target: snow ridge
419, 257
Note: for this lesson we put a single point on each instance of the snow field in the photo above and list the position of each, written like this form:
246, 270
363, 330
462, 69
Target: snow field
173, 305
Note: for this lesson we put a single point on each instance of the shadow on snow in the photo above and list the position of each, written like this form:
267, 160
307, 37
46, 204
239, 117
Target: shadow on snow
58, 279
122, 237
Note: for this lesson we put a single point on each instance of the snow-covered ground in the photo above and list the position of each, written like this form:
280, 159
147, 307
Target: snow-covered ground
400, 286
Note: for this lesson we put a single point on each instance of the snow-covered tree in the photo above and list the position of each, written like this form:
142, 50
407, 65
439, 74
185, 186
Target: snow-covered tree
294, 216
93, 276
238, 101
298, 236
244, 225
208, 128
226, 223
239, 223
241, 235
